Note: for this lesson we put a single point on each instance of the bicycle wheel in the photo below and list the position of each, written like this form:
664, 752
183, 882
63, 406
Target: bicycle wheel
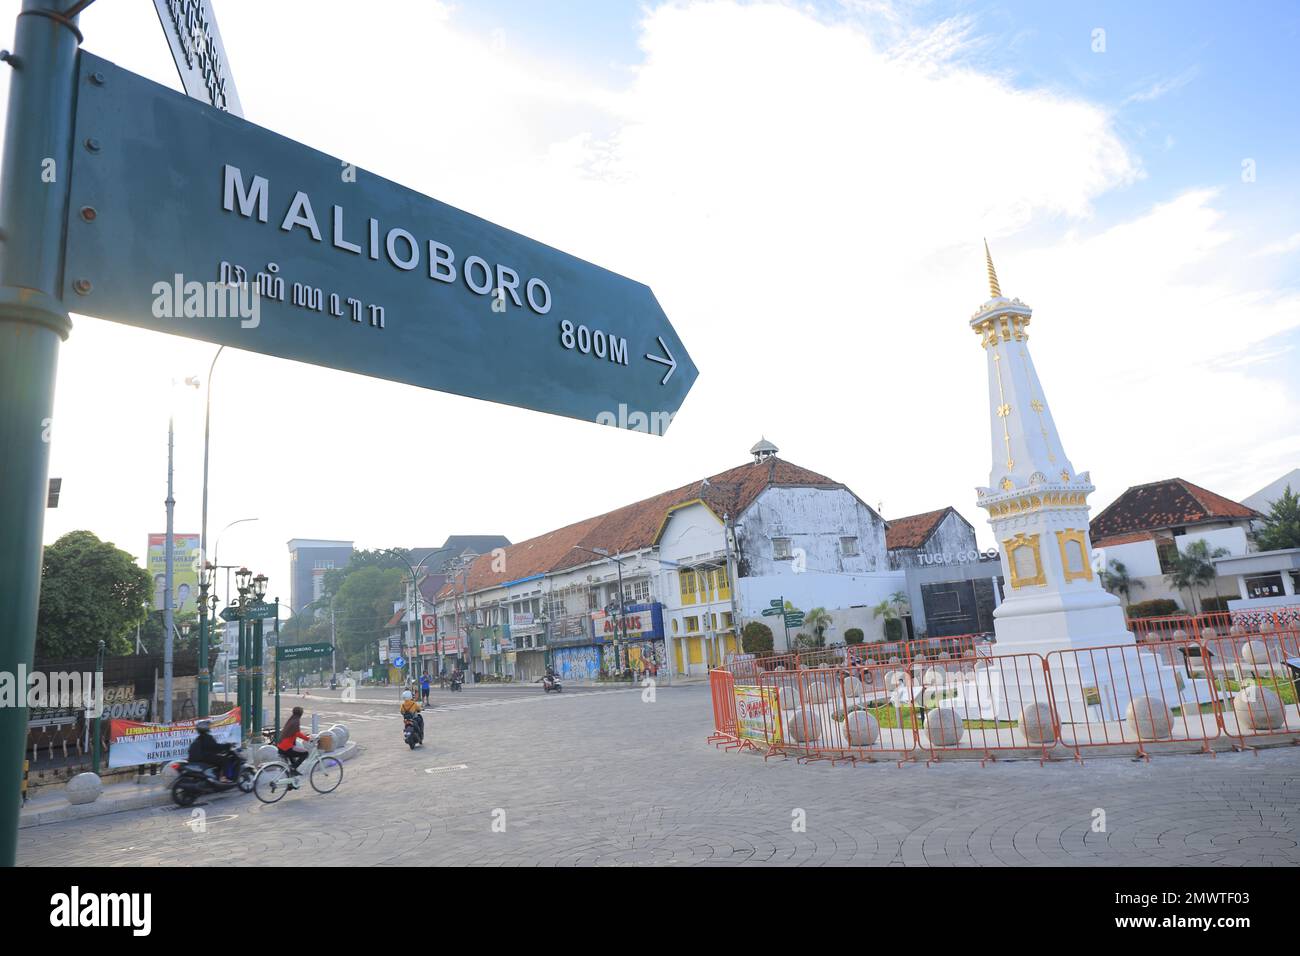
272, 783
326, 775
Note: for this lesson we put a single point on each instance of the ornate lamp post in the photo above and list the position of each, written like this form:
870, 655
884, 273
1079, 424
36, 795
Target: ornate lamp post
243, 579
205, 622
256, 689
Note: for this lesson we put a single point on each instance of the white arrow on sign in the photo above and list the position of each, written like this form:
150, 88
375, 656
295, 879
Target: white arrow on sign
669, 361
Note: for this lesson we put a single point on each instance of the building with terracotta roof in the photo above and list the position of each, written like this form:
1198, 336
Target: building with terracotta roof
934, 537
695, 561
1147, 526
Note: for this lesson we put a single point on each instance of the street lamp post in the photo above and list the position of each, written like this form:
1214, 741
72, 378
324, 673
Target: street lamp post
416, 597
621, 629
243, 577
255, 685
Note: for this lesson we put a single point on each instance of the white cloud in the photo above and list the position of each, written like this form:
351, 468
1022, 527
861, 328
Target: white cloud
807, 203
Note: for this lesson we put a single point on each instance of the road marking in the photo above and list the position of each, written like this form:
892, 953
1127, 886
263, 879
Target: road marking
457, 766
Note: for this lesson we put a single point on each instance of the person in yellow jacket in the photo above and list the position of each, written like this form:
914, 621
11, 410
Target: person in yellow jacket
411, 708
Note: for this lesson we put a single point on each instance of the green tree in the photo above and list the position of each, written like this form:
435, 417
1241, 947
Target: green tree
383, 559
1117, 580
91, 591
892, 609
818, 620
756, 638
1194, 569
1282, 524
362, 608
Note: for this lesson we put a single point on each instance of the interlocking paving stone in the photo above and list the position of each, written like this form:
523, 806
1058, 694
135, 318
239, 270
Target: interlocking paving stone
605, 779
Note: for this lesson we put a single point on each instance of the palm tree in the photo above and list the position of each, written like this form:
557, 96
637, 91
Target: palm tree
1117, 580
817, 620
1194, 569
888, 609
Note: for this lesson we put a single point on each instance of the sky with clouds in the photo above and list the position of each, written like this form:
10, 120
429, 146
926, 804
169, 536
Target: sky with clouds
806, 188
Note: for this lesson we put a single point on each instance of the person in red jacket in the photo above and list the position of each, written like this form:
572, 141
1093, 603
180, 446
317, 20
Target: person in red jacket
289, 736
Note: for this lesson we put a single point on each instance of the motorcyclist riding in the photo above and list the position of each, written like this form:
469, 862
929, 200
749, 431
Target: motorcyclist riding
411, 708
205, 749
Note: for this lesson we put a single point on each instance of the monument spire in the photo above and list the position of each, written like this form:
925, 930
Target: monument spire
994, 289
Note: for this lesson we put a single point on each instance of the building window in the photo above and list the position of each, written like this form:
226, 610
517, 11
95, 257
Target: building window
721, 582
688, 586
780, 549
638, 592
849, 547
692, 625
1264, 586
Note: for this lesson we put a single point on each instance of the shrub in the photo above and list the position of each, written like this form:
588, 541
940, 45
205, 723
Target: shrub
893, 629
1158, 607
853, 635
1216, 603
756, 638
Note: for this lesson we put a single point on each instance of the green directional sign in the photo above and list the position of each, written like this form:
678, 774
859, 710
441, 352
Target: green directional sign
255, 612
295, 652
793, 620
772, 612
249, 612
189, 220
777, 603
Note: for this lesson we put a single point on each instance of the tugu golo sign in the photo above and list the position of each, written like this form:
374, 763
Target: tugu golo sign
189, 220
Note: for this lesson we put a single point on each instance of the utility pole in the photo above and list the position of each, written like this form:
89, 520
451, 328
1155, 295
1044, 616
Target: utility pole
169, 549
34, 178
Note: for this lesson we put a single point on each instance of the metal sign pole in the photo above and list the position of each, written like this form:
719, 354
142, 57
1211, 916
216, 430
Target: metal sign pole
34, 182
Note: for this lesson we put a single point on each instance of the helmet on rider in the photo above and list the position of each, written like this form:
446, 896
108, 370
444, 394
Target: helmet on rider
203, 726
406, 695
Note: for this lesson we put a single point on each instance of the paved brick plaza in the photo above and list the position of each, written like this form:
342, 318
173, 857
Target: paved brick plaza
603, 778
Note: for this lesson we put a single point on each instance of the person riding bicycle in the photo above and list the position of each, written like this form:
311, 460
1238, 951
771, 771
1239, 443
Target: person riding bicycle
290, 736
205, 749
411, 708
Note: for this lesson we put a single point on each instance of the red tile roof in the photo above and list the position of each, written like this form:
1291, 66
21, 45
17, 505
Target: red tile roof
1125, 539
636, 526
1161, 505
912, 531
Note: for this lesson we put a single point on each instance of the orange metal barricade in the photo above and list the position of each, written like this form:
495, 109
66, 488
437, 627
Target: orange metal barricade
818, 707
1124, 696
1146, 698
1256, 689
722, 688
986, 706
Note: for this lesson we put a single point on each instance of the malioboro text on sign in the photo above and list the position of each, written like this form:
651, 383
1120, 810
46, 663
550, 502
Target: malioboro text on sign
340, 268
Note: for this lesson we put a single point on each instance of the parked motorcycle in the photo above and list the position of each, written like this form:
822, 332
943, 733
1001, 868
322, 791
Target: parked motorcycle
551, 683
198, 779
413, 730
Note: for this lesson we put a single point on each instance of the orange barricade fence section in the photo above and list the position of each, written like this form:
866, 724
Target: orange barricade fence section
1129, 699
983, 706
1177, 696
722, 689
1255, 678
842, 713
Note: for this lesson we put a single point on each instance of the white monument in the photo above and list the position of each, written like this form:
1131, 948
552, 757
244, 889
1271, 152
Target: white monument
1038, 507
